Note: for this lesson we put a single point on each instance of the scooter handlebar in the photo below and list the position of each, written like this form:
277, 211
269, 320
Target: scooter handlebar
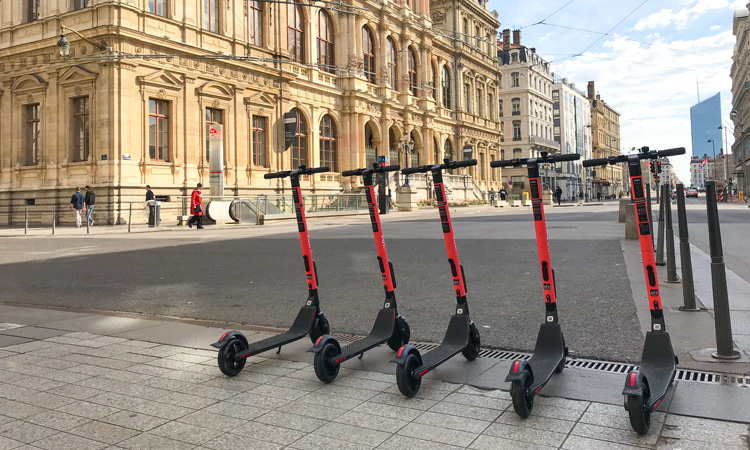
595, 162
393, 168
671, 152
467, 163
568, 157
351, 173
411, 170
508, 162
317, 170
282, 174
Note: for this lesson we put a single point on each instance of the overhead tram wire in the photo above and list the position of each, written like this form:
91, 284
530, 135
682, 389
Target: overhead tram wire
608, 31
553, 13
632, 40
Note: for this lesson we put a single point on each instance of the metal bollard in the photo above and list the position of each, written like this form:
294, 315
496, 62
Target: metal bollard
130, 216
722, 318
53, 220
660, 239
650, 212
669, 236
88, 225
26, 220
688, 286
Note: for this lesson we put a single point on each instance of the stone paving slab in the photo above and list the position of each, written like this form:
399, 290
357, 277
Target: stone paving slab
89, 391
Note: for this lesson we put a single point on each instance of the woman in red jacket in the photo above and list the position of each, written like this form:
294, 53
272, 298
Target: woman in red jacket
196, 207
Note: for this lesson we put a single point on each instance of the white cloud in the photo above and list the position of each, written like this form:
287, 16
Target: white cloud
545, 37
682, 17
715, 27
653, 99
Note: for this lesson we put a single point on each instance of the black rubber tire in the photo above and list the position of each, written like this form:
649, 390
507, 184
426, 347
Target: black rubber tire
227, 364
640, 415
407, 383
523, 400
324, 369
319, 327
471, 351
401, 334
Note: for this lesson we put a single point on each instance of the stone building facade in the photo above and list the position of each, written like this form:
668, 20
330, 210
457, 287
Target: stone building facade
740, 73
526, 110
145, 80
605, 138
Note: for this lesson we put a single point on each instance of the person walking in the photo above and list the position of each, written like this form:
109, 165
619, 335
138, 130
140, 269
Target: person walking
503, 194
149, 193
598, 196
492, 195
76, 204
196, 207
89, 200
558, 195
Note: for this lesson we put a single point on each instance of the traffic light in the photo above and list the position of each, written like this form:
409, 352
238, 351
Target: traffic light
730, 181
658, 166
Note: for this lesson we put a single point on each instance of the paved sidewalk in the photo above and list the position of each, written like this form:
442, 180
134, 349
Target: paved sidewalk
79, 390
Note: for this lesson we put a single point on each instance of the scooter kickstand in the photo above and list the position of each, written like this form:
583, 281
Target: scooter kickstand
361, 355
279, 350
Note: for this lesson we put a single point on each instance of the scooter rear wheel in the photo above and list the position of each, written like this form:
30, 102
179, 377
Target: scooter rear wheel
523, 400
471, 351
409, 384
640, 414
227, 364
325, 369
319, 327
401, 334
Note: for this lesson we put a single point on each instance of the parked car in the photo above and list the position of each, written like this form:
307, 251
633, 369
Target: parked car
691, 192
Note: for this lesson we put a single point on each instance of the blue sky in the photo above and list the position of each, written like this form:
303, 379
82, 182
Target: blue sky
652, 86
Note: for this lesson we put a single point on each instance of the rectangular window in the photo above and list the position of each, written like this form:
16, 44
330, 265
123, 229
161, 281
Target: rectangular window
491, 107
158, 7
480, 104
256, 23
32, 10
467, 97
515, 107
80, 4
259, 141
158, 130
213, 117
500, 108
33, 133
516, 130
514, 80
502, 130
81, 128
211, 15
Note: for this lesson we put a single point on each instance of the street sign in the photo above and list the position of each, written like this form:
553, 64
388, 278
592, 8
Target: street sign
510, 182
383, 160
290, 128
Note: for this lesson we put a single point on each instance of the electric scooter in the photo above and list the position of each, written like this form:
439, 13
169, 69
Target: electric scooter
527, 378
233, 346
389, 326
462, 335
646, 386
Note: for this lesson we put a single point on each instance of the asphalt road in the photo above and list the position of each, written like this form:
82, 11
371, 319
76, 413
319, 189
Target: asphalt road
259, 280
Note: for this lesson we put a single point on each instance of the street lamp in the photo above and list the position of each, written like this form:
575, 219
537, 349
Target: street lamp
64, 45
724, 157
407, 145
713, 146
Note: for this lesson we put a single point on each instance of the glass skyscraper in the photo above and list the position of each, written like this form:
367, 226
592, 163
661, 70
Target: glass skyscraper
705, 120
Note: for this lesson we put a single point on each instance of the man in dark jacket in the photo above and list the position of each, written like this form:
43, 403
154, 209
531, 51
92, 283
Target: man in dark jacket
149, 193
76, 204
558, 195
89, 200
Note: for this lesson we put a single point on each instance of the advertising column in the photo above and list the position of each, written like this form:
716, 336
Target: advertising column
216, 159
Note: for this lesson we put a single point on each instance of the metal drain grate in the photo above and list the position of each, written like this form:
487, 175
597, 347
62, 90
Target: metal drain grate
609, 366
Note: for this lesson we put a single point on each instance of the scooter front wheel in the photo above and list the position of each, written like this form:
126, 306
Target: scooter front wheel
227, 364
319, 327
640, 414
409, 384
401, 334
523, 400
471, 351
325, 369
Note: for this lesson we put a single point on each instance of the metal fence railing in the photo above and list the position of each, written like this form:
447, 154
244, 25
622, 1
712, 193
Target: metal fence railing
33, 217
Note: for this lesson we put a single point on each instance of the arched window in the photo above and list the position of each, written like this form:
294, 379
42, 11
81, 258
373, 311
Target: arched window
325, 42
255, 12
448, 150
295, 31
392, 59
446, 87
412, 72
368, 50
299, 144
433, 79
394, 147
328, 143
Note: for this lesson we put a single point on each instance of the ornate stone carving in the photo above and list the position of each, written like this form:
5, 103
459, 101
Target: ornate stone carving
161, 93
78, 91
438, 17
30, 98
84, 50
215, 103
